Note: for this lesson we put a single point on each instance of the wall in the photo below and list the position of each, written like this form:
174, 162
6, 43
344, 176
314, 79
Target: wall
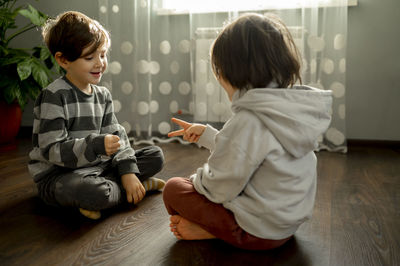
373, 68
373, 64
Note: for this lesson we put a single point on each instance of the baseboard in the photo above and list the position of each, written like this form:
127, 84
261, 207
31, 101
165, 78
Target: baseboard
373, 143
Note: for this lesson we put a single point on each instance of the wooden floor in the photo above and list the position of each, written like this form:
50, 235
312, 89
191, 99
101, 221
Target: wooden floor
356, 219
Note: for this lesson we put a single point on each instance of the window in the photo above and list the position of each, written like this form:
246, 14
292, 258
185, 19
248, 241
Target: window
208, 6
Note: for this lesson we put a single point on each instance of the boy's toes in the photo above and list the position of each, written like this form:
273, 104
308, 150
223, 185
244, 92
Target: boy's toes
175, 219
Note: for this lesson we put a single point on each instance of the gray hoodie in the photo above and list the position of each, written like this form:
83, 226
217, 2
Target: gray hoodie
262, 165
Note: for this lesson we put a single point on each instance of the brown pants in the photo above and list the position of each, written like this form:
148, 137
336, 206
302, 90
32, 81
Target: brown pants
180, 198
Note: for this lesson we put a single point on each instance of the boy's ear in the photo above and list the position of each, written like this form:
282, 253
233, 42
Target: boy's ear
61, 60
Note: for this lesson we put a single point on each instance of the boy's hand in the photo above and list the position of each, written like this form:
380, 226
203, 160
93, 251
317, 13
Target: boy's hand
133, 187
111, 144
190, 132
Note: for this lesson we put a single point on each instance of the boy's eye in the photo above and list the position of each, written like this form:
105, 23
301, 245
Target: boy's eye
88, 58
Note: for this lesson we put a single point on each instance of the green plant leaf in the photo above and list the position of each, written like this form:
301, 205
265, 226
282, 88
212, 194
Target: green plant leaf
31, 88
44, 53
39, 73
10, 92
11, 60
24, 69
33, 15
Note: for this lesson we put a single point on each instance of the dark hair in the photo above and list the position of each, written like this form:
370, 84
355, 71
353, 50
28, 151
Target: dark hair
71, 32
254, 50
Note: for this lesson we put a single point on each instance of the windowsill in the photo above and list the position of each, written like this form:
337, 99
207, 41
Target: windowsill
332, 3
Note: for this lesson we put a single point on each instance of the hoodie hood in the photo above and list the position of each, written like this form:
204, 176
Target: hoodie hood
296, 116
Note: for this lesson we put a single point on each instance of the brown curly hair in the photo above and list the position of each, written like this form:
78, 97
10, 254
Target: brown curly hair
71, 32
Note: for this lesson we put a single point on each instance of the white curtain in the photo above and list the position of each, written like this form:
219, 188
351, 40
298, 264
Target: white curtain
160, 65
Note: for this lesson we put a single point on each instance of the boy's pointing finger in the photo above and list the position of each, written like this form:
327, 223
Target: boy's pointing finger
176, 133
182, 123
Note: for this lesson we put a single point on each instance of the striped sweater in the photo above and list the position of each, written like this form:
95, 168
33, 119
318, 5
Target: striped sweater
69, 128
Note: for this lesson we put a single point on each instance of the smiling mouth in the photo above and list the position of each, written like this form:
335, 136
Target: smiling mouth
95, 73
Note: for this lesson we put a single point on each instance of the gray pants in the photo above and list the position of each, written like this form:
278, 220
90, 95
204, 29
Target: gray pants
98, 187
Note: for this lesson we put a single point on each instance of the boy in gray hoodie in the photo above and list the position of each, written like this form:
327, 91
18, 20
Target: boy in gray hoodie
259, 183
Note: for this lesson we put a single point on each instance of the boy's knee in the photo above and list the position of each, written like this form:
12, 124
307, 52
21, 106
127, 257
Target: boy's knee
89, 194
158, 157
152, 159
171, 188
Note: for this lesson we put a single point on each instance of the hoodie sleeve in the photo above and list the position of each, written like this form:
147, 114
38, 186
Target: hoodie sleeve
240, 148
207, 139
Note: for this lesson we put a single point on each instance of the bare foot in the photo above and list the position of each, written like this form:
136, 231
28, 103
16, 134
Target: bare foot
187, 230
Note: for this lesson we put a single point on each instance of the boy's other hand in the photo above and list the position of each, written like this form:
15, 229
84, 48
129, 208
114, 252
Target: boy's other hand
111, 144
134, 189
190, 132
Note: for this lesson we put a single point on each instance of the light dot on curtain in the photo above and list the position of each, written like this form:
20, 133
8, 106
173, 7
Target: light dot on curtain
143, 3
165, 47
143, 66
115, 68
126, 47
127, 126
342, 65
126, 87
219, 108
210, 88
115, 8
165, 88
202, 65
154, 67
143, 108
338, 89
184, 88
339, 42
174, 67
201, 109
329, 66
313, 66
320, 138
184, 46
117, 106
173, 107
316, 43
103, 9
153, 107
334, 136
342, 111
164, 127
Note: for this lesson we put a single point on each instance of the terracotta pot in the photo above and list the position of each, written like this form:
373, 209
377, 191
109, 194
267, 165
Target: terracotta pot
10, 122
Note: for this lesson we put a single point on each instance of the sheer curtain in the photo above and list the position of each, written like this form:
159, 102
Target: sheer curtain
160, 65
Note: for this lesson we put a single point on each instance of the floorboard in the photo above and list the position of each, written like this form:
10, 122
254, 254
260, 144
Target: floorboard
356, 219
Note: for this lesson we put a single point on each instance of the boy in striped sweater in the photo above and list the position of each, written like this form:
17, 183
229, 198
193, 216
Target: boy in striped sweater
81, 156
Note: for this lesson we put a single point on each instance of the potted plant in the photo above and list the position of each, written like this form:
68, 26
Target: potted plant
23, 72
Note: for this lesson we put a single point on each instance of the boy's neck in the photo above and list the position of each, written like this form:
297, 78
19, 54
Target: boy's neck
85, 88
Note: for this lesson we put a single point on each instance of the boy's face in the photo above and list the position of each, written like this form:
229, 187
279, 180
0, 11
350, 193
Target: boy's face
88, 69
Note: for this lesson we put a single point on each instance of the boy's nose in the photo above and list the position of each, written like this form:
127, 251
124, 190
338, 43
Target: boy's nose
99, 62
